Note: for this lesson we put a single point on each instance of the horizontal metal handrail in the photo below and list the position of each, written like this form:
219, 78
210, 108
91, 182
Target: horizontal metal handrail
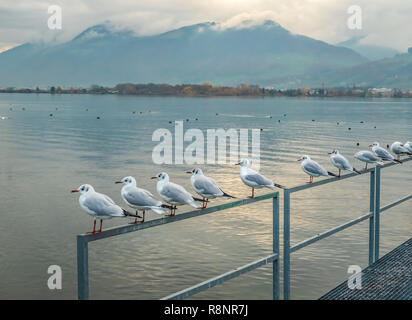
221, 278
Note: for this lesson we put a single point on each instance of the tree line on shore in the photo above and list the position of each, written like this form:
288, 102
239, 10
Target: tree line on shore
208, 90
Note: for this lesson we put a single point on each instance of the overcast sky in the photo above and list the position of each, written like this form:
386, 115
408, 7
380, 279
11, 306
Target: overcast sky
385, 22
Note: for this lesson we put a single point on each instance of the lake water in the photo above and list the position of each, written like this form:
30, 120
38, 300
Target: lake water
43, 157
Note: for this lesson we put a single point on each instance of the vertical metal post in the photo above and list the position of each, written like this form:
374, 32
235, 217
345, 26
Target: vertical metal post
286, 244
371, 219
82, 269
276, 247
377, 209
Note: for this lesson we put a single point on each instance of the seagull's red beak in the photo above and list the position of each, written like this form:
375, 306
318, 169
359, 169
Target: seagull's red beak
329, 152
237, 164
75, 190
371, 145
117, 182
153, 178
188, 171
299, 160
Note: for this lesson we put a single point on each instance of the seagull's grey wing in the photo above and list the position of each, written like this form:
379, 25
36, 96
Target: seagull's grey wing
314, 168
382, 153
141, 198
370, 156
258, 179
206, 185
102, 205
175, 193
343, 162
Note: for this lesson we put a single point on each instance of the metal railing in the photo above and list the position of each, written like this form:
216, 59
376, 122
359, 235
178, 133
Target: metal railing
374, 235
84, 239
373, 215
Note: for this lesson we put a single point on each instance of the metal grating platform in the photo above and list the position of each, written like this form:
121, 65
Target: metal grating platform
389, 278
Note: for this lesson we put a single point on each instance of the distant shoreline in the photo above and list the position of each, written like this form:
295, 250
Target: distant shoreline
208, 90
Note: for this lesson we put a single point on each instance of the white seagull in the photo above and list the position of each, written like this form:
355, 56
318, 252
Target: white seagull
408, 146
99, 206
140, 199
399, 149
382, 153
205, 186
341, 162
254, 179
368, 157
313, 169
173, 193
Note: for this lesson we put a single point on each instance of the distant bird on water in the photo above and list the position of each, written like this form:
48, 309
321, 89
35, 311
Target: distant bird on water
140, 199
368, 157
313, 169
206, 187
99, 206
340, 162
254, 179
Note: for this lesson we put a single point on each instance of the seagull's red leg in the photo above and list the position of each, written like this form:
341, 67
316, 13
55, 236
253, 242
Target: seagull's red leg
206, 203
94, 228
310, 180
101, 224
366, 167
143, 216
339, 172
253, 193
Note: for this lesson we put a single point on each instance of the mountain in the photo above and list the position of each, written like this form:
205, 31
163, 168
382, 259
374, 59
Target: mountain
264, 54
393, 72
369, 51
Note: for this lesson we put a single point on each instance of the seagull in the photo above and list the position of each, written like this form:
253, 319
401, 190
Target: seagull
382, 153
205, 186
399, 149
368, 157
408, 146
139, 198
313, 169
341, 162
99, 206
173, 193
254, 179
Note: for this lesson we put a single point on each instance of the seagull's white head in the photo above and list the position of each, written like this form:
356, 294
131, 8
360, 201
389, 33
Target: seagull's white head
303, 158
195, 171
84, 188
334, 152
162, 176
127, 181
244, 163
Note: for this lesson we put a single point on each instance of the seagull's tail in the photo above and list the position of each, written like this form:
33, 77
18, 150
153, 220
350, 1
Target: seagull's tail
397, 161
200, 200
159, 210
357, 171
227, 196
128, 214
278, 186
194, 204
332, 174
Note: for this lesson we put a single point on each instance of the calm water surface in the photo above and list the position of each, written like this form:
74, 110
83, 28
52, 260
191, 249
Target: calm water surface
43, 157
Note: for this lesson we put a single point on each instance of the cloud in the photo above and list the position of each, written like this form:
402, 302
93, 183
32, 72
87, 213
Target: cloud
384, 22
